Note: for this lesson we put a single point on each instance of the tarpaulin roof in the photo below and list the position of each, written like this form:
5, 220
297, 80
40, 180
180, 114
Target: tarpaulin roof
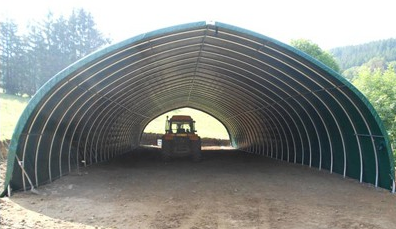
273, 99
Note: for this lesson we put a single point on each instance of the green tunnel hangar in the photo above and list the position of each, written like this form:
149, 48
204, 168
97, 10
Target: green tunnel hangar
274, 100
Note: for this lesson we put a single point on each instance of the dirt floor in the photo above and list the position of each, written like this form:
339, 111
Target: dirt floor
229, 189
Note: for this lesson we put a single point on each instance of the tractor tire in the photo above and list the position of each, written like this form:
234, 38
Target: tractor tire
166, 151
196, 151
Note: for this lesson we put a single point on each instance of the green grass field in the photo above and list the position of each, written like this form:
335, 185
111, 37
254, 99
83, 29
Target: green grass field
11, 108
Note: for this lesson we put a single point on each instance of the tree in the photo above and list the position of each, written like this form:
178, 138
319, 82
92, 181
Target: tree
56, 43
85, 38
11, 57
380, 89
27, 62
376, 63
316, 52
46, 59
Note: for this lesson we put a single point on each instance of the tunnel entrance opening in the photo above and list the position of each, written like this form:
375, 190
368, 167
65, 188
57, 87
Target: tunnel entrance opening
213, 133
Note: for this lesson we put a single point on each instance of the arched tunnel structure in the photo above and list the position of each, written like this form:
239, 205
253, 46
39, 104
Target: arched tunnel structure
273, 99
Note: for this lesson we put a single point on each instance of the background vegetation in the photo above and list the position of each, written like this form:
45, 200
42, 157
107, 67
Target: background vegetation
30, 60
357, 55
315, 51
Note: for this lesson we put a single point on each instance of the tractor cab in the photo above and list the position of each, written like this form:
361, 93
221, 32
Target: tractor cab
180, 124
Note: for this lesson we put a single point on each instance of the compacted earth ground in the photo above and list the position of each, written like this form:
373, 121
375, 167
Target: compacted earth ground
228, 189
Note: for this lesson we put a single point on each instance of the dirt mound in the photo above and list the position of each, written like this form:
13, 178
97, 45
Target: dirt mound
4, 149
3, 161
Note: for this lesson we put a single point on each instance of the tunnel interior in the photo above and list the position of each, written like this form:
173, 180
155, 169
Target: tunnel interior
274, 101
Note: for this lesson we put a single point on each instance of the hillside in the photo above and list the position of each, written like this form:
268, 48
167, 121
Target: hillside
357, 55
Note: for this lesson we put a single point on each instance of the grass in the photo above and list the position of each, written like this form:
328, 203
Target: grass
11, 108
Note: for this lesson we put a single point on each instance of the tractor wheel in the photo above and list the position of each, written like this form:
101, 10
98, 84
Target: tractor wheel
196, 151
166, 151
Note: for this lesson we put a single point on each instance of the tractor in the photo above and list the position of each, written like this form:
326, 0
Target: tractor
180, 139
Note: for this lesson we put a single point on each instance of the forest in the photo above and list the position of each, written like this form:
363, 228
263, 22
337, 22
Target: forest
30, 59
358, 55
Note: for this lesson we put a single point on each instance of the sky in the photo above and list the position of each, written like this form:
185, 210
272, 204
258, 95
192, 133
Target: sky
327, 23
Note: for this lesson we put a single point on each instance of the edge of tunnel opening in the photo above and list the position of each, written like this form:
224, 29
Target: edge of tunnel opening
215, 135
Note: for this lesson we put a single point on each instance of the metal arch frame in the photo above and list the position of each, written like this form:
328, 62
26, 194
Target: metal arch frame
54, 135
76, 126
359, 111
299, 133
247, 124
34, 119
371, 136
100, 133
240, 89
152, 86
338, 128
274, 102
351, 122
237, 85
246, 56
110, 115
313, 106
25, 144
307, 100
353, 126
88, 134
282, 145
116, 122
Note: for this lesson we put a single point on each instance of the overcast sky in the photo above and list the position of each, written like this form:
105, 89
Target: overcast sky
328, 23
